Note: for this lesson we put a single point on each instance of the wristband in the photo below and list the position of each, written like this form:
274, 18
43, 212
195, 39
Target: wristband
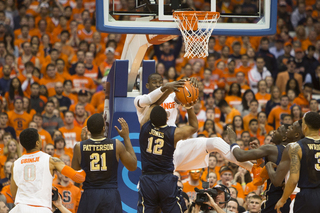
188, 107
233, 146
77, 177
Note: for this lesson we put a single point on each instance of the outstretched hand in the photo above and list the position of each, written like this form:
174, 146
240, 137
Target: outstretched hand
173, 86
124, 131
231, 135
193, 81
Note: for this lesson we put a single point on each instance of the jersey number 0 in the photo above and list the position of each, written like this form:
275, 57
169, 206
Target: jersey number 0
94, 163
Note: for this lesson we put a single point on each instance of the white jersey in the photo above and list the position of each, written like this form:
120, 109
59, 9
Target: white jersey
34, 180
169, 105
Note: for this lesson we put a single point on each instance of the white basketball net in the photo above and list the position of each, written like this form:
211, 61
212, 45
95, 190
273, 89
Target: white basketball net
196, 41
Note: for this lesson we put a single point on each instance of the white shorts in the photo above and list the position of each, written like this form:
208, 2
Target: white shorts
194, 153
29, 209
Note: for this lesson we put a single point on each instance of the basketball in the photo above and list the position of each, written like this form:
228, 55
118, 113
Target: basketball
188, 93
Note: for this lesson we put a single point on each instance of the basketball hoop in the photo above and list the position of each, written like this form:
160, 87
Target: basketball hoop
196, 28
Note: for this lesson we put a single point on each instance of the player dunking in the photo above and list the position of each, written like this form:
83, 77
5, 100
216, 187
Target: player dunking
158, 185
32, 175
98, 157
190, 153
305, 168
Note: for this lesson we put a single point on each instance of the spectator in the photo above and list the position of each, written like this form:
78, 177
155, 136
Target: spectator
83, 97
211, 50
248, 96
304, 98
252, 114
7, 171
264, 128
282, 59
5, 80
45, 136
3, 124
92, 71
50, 121
64, 101
234, 95
81, 82
49, 149
296, 113
298, 14
258, 73
240, 76
277, 50
71, 133
275, 117
269, 58
14, 91
59, 147
194, 181
50, 79
237, 125
67, 91
167, 55
262, 96
254, 204
230, 76
230, 112
274, 100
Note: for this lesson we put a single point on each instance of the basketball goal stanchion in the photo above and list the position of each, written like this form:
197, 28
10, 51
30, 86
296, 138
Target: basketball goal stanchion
196, 28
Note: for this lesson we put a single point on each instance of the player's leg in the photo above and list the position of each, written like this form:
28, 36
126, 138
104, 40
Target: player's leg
170, 195
91, 199
193, 153
148, 194
307, 200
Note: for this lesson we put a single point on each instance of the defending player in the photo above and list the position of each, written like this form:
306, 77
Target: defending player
158, 186
305, 168
270, 153
31, 182
98, 157
191, 153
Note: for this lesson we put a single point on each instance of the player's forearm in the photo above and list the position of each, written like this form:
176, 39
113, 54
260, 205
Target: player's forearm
193, 121
129, 148
272, 174
290, 186
149, 99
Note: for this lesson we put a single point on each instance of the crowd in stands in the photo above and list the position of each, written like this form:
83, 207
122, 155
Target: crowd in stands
53, 65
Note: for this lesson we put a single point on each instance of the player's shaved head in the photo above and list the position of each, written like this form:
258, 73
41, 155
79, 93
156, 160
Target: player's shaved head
312, 119
158, 116
95, 124
29, 138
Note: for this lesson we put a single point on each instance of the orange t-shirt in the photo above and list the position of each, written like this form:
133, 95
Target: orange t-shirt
82, 82
230, 116
246, 120
303, 103
205, 173
100, 108
230, 77
71, 136
45, 137
73, 98
70, 196
92, 73
84, 35
240, 190
19, 121
245, 71
97, 99
7, 193
50, 84
233, 100
263, 99
275, 115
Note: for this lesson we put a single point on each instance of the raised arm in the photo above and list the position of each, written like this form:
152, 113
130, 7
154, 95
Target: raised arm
125, 152
295, 155
57, 164
277, 176
182, 133
253, 154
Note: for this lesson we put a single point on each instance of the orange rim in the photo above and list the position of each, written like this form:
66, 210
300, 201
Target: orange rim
193, 22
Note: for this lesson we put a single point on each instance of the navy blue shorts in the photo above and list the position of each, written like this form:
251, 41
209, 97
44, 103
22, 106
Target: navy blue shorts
268, 206
160, 191
100, 201
307, 200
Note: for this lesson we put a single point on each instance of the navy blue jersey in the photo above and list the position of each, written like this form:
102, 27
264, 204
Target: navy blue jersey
310, 163
271, 189
99, 161
157, 147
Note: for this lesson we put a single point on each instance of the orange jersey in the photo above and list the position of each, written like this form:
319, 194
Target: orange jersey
97, 99
72, 136
105, 68
230, 78
45, 137
205, 173
246, 121
92, 73
263, 99
100, 108
50, 84
7, 193
239, 189
19, 121
230, 116
209, 87
70, 196
73, 98
233, 100
84, 35
302, 102
275, 115
88, 107
82, 82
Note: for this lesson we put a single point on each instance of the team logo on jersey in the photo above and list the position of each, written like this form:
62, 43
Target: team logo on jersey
189, 93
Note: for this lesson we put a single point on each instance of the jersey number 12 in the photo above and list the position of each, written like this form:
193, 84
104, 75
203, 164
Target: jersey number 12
94, 163
157, 146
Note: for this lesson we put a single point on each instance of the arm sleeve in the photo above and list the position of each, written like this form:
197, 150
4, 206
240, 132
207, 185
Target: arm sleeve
146, 100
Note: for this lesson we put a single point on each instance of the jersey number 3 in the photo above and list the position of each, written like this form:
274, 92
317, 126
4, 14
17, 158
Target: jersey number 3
157, 146
94, 163
317, 165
